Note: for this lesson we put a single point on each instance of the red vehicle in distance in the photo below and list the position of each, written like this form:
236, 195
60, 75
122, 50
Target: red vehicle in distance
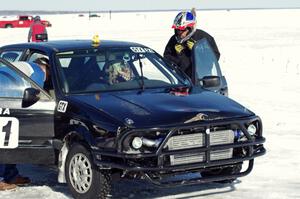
22, 21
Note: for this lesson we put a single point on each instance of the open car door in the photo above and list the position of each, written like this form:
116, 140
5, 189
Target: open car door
206, 69
26, 119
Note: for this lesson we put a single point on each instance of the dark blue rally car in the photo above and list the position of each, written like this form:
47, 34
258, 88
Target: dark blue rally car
113, 109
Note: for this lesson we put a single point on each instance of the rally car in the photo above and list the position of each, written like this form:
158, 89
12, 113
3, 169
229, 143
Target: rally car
118, 109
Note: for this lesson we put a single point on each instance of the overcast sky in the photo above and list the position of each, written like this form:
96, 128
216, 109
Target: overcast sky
98, 5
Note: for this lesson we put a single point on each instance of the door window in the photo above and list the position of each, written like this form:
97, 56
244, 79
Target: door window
205, 60
24, 18
36, 55
207, 65
12, 83
11, 56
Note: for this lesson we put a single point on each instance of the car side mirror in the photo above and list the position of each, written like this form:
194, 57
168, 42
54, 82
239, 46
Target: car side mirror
210, 81
30, 97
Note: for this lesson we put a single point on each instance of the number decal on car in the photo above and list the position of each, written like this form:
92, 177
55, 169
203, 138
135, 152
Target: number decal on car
9, 132
62, 106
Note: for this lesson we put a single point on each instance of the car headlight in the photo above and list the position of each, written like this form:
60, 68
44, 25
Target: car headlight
251, 129
137, 143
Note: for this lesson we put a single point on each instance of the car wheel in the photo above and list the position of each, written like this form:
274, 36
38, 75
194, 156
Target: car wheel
225, 171
8, 26
84, 179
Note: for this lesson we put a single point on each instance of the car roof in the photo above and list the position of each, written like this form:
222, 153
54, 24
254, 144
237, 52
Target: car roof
66, 45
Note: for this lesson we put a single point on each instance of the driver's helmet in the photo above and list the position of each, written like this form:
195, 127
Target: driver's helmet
119, 72
185, 20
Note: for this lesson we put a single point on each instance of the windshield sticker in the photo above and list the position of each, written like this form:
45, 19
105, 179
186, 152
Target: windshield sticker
4, 111
62, 106
9, 132
141, 50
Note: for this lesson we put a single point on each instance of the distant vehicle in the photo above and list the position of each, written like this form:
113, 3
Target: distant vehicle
22, 21
94, 15
118, 110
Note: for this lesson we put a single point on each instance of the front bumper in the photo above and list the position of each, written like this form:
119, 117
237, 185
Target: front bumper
155, 163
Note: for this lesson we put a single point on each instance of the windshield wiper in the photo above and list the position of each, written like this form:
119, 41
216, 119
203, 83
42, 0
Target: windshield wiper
142, 74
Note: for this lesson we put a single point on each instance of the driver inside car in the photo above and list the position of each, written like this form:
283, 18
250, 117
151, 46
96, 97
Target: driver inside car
120, 71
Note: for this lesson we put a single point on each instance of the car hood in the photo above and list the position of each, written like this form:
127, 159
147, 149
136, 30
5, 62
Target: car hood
157, 108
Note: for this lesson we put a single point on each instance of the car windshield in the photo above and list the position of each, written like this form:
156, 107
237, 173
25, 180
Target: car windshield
94, 70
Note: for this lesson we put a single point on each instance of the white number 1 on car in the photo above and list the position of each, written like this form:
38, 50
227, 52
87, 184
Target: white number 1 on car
9, 132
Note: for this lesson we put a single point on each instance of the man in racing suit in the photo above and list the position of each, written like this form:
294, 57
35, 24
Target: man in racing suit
179, 48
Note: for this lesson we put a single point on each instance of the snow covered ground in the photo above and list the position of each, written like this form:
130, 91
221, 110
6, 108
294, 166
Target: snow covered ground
259, 59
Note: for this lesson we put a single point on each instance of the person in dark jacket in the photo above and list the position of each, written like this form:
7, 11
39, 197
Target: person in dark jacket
179, 48
37, 31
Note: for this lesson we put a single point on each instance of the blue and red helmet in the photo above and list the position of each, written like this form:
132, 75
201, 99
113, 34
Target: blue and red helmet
184, 20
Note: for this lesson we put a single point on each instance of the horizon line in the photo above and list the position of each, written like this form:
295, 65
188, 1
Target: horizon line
147, 10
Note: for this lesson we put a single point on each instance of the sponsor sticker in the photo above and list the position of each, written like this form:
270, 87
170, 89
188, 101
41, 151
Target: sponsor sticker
129, 121
141, 50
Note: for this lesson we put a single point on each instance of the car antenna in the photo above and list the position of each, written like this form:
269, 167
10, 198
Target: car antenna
142, 74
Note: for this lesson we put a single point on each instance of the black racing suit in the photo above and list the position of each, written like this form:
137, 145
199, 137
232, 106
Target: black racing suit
184, 59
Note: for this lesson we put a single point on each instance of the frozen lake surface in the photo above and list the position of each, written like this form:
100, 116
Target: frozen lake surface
260, 59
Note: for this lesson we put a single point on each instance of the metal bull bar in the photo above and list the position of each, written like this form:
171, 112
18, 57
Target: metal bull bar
207, 149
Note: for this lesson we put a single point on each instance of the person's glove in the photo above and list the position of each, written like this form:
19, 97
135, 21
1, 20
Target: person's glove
190, 43
179, 48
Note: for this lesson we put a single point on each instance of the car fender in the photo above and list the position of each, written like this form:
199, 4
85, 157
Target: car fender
61, 178
79, 133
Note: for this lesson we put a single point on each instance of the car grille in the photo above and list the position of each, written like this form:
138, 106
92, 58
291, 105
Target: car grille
187, 158
221, 137
186, 141
196, 140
